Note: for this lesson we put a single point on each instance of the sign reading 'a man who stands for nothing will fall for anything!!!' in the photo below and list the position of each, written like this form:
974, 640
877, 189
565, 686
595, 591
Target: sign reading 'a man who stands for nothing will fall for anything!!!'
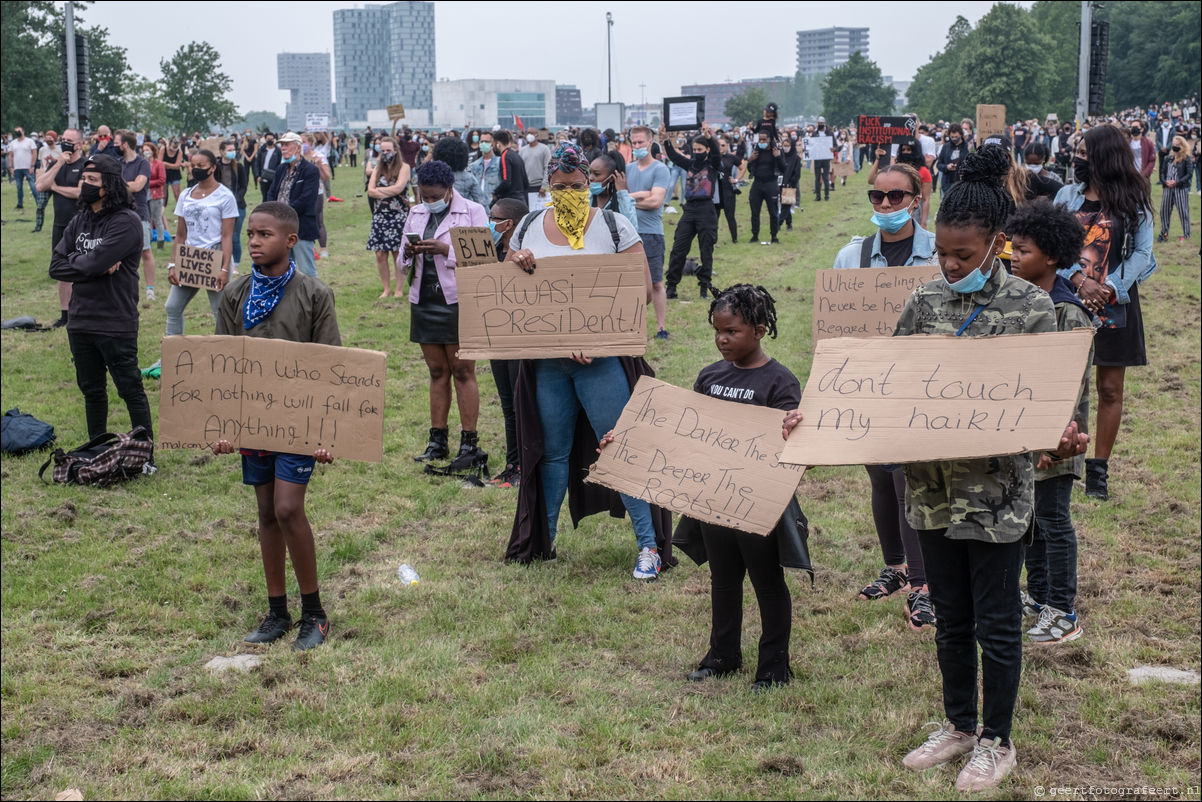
274, 395
924, 398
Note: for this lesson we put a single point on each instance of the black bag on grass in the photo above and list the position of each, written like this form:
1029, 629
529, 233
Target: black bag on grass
21, 433
104, 460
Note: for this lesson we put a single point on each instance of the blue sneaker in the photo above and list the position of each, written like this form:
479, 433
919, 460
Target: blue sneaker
648, 565
662, 334
1054, 626
154, 235
166, 237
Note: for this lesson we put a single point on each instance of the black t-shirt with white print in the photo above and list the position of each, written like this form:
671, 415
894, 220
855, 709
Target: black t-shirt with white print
770, 385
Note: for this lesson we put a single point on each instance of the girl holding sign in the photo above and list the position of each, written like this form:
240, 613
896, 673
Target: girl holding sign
972, 515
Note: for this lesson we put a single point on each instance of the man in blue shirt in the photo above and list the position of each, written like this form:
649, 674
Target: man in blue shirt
648, 180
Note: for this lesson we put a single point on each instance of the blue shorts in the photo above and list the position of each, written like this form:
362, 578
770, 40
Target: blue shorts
653, 247
263, 467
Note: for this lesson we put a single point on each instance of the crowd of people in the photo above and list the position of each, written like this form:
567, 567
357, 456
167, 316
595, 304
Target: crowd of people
1038, 228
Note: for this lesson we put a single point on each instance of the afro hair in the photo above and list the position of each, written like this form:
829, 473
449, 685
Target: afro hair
1054, 230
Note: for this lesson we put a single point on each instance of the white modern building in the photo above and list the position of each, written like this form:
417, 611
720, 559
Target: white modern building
820, 51
306, 76
485, 102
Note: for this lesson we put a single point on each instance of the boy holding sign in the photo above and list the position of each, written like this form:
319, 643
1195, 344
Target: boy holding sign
277, 301
973, 514
741, 316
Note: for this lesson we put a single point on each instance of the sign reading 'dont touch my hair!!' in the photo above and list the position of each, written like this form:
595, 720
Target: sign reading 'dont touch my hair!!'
594, 304
274, 395
713, 460
925, 398
864, 303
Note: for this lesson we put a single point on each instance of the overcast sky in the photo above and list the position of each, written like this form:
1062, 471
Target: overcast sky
656, 44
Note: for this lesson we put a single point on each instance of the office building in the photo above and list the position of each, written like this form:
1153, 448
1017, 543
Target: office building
820, 51
485, 102
716, 95
383, 54
567, 104
306, 76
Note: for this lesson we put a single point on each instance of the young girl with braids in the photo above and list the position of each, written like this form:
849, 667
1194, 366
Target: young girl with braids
741, 317
972, 515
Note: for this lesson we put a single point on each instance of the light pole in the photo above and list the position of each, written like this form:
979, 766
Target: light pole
609, 70
72, 74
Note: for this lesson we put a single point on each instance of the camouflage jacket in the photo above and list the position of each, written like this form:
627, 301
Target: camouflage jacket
1069, 317
990, 499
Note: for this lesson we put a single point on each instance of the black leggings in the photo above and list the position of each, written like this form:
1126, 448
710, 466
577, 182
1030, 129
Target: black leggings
899, 541
764, 192
700, 220
726, 194
505, 374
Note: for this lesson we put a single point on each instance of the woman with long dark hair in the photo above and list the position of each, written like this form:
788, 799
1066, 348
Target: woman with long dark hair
1113, 201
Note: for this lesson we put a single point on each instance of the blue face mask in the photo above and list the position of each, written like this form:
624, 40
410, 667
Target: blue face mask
288, 159
496, 235
974, 281
596, 188
891, 222
639, 153
762, 145
437, 207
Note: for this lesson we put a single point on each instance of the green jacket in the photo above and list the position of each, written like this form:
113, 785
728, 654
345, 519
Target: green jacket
305, 313
990, 499
1069, 317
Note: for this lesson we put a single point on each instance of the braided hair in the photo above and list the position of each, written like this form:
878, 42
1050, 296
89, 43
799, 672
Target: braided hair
979, 198
752, 303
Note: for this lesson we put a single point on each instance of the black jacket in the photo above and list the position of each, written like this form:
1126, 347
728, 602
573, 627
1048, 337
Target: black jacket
302, 197
791, 174
101, 302
261, 159
945, 158
238, 185
763, 166
513, 177
712, 166
530, 538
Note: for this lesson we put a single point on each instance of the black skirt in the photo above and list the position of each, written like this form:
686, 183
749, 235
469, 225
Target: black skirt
433, 321
1123, 347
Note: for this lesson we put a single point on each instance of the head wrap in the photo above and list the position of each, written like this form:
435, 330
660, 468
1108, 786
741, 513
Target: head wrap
567, 158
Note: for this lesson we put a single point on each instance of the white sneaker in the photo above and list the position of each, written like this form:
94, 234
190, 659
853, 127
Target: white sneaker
150, 293
1054, 626
670, 210
648, 564
988, 766
943, 745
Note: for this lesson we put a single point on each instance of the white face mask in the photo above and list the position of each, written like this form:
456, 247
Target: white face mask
1035, 168
530, 138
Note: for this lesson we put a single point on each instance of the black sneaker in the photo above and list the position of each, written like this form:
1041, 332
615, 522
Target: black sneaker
312, 632
670, 291
1097, 479
271, 629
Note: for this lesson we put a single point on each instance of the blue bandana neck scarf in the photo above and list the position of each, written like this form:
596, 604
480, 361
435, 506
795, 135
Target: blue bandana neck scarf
265, 293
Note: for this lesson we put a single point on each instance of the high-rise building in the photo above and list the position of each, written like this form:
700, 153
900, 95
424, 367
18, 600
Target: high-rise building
384, 54
567, 104
820, 51
307, 77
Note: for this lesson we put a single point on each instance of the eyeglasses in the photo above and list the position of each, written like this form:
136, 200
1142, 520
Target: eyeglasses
560, 187
895, 196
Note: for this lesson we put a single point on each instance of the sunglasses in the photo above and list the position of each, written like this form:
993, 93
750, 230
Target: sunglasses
895, 196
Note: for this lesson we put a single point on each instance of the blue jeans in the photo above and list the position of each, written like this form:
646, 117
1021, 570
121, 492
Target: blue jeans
238, 234
677, 174
1052, 555
177, 301
302, 254
21, 177
564, 387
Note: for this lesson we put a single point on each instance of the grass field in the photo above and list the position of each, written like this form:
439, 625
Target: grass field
561, 680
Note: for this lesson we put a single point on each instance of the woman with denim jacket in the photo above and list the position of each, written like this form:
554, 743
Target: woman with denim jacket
1113, 202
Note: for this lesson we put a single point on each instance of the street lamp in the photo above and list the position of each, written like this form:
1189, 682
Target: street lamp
609, 71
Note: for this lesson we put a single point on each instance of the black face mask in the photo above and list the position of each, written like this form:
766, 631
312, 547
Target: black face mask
68, 147
1081, 169
271, 143
89, 193
201, 173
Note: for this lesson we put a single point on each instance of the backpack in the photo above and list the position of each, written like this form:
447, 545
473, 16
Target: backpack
25, 323
530, 218
21, 433
104, 460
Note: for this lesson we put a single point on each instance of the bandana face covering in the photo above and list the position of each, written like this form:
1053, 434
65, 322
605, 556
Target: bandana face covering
571, 214
265, 293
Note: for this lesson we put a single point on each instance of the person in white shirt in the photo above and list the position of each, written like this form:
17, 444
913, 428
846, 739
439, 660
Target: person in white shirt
21, 153
48, 154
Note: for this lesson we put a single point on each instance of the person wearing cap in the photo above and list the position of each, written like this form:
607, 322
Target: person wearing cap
297, 183
768, 123
99, 254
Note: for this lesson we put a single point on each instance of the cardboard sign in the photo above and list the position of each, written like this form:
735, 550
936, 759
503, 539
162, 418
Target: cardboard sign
864, 302
712, 460
317, 122
274, 395
684, 113
473, 246
843, 169
212, 144
875, 130
991, 119
396, 111
926, 398
198, 267
817, 147
595, 304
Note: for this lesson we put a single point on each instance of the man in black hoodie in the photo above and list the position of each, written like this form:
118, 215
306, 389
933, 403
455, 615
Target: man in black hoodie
99, 255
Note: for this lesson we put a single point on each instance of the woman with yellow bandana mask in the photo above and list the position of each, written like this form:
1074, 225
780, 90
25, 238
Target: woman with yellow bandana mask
557, 389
